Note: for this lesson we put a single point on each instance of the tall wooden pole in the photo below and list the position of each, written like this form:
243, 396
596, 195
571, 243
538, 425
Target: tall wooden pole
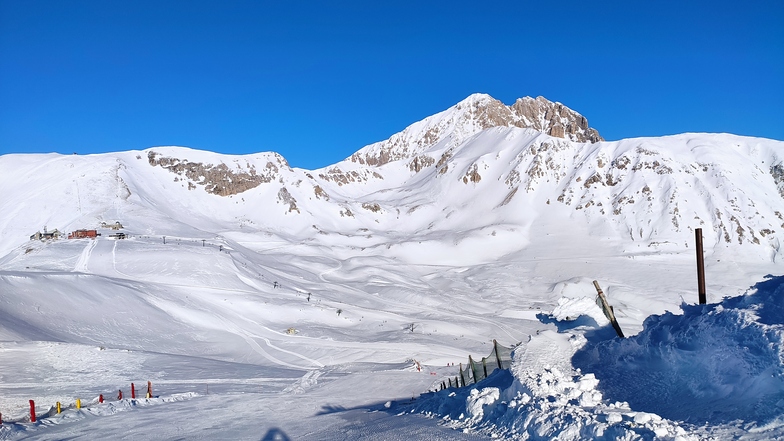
497, 356
607, 309
700, 267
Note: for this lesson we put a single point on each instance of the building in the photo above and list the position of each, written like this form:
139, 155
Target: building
46, 235
80, 234
115, 226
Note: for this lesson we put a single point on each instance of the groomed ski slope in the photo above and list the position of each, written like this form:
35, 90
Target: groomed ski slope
208, 328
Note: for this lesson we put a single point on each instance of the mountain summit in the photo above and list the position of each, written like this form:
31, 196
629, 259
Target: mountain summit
474, 114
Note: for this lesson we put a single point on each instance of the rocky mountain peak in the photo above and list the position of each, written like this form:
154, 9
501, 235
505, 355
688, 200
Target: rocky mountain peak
474, 114
554, 119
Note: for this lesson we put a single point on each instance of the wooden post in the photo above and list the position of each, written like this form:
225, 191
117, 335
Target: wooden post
32, 411
450, 382
608, 311
484, 365
700, 267
497, 355
473, 368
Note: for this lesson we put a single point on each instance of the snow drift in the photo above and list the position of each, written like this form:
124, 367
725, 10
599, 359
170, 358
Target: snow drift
717, 364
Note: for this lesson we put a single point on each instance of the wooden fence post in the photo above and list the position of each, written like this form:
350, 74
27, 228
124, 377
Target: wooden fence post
497, 355
700, 267
608, 310
484, 365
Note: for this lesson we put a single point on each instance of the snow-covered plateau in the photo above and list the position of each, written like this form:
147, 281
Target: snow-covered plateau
269, 302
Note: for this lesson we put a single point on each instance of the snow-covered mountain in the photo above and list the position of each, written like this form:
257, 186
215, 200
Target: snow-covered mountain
470, 169
254, 294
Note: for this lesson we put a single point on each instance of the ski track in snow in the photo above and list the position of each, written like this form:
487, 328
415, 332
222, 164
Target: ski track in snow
407, 308
84, 259
330, 270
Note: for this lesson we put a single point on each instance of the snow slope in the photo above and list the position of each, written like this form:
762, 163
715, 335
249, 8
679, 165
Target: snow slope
265, 301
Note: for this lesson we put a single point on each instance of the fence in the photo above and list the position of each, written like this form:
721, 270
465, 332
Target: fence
58, 407
499, 358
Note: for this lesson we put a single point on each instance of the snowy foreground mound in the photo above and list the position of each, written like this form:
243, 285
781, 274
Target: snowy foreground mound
715, 370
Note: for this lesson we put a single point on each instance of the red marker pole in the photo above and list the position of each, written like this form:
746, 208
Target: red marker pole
100, 398
149, 389
32, 411
133, 391
119, 395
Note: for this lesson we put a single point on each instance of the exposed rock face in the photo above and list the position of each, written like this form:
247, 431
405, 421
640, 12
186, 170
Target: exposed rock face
476, 113
218, 179
555, 119
777, 171
340, 177
285, 197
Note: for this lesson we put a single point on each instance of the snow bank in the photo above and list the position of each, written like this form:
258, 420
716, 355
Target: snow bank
716, 364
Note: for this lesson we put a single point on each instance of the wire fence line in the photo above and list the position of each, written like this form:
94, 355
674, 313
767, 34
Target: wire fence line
501, 357
477, 370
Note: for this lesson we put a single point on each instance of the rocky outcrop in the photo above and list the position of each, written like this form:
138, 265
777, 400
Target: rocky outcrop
554, 119
340, 177
217, 179
476, 113
286, 198
777, 171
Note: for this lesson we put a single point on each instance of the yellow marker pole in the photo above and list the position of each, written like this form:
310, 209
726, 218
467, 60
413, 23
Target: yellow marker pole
78, 403
58, 407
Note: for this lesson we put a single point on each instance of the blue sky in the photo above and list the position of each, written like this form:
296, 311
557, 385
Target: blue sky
316, 81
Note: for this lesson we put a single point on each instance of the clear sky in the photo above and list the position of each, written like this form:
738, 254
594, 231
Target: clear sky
317, 80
